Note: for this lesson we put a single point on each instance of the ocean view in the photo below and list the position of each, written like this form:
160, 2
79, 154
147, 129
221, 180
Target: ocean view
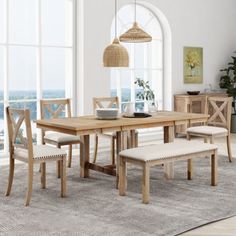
16, 100
17, 96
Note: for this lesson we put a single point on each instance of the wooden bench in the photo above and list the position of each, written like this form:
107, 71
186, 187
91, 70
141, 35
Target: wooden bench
159, 154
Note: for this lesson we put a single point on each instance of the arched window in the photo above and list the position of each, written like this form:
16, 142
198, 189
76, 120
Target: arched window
146, 59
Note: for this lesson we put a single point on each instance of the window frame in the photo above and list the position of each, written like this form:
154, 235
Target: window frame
70, 86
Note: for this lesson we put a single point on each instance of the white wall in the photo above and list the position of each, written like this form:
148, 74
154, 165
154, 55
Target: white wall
204, 23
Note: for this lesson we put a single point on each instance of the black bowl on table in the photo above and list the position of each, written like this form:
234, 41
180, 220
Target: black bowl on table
193, 92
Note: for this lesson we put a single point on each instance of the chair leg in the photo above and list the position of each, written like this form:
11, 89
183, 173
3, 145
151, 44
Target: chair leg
43, 175
58, 170
145, 183
214, 173
95, 149
190, 169
63, 177
113, 155
211, 140
229, 147
81, 154
136, 139
30, 184
58, 167
122, 177
70, 156
188, 136
11, 176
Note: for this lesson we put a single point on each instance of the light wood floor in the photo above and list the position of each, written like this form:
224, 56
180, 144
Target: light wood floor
225, 227
221, 228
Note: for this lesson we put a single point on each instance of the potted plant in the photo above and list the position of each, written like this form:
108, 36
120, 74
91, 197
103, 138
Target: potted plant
228, 82
146, 94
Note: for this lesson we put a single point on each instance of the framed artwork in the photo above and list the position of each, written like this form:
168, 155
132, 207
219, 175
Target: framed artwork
193, 65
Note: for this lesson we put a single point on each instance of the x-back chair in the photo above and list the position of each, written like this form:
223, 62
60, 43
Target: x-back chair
56, 108
105, 102
218, 125
21, 148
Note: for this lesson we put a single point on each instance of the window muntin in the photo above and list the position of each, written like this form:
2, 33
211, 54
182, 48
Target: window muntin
36, 56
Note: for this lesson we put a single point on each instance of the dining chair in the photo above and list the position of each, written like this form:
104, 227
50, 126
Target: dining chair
57, 108
109, 102
218, 124
105, 102
21, 148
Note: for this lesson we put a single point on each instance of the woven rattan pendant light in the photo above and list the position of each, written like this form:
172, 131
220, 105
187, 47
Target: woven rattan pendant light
115, 55
135, 34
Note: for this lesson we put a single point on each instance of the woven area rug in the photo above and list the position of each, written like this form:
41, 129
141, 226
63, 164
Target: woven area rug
93, 206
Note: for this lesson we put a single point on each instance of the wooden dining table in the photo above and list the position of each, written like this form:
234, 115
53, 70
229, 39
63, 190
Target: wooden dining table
84, 126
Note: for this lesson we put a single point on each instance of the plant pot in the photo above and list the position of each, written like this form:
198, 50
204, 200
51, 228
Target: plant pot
233, 123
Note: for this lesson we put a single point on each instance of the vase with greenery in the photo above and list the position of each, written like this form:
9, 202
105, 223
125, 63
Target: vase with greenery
146, 94
228, 80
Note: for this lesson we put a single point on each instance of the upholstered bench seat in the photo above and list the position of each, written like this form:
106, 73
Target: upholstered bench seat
166, 151
159, 154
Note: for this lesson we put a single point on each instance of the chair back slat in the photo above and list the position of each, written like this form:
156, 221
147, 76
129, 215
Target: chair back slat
105, 102
219, 109
55, 108
19, 130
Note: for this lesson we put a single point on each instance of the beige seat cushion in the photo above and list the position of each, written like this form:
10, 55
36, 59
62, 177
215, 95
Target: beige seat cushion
41, 152
60, 137
207, 130
166, 151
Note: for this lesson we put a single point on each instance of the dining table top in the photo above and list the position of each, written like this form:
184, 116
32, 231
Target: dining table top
90, 124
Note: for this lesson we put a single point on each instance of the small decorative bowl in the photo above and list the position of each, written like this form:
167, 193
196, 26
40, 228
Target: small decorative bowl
193, 92
107, 113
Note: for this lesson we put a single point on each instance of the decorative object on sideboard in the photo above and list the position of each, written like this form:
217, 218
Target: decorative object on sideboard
193, 65
115, 55
228, 82
193, 92
135, 34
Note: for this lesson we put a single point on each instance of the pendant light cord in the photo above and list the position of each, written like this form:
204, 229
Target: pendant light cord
135, 10
116, 18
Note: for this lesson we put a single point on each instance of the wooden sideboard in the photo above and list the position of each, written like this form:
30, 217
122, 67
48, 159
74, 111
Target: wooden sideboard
191, 104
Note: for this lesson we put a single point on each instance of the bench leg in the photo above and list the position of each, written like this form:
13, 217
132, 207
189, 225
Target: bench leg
190, 169
169, 170
168, 138
188, 136
145, 183
214, 173
122, 177
43, 175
